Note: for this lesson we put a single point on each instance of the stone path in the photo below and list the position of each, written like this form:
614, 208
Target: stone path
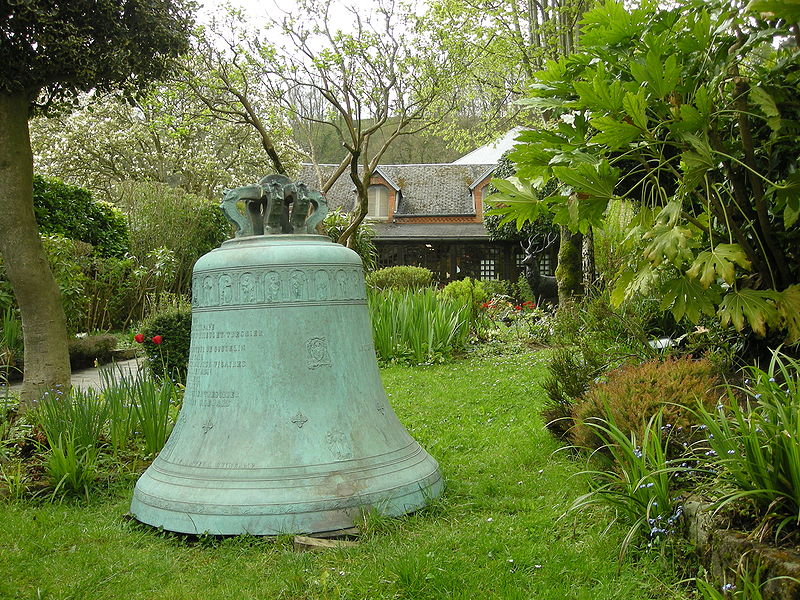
92, 378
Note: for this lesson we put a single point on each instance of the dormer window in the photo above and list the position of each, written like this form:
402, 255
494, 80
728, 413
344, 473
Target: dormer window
378, 202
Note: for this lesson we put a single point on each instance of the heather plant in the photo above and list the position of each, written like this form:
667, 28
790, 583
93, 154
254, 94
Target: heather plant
632, 394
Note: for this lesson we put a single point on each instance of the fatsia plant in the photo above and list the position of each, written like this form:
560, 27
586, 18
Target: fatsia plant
692, 112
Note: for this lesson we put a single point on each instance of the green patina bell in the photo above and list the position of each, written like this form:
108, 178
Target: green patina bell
285, 427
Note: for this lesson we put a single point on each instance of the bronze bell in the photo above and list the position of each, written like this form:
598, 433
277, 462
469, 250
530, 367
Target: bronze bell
285, 426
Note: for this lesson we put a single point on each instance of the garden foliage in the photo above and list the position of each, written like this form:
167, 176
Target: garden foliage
631, 395
361, 241
418, 326
166, 339
72, 212
400, 278
692, 112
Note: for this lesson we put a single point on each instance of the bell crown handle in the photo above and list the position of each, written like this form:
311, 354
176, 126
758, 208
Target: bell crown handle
275, 205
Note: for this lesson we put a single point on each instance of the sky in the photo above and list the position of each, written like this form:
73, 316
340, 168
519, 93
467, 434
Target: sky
259, 9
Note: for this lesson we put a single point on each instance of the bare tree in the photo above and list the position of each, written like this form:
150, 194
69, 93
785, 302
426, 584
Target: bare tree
384, 79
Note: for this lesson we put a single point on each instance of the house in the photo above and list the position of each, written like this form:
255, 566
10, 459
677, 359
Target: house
431, 215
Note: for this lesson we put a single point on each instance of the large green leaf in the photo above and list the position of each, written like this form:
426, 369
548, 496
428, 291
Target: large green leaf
776, 9
596, 180
673, 243
685, 298
789, 308
660, 76
788, 196
720, 261
615, 134
750, 307
516, 201
635, 106
598, 94
760, 97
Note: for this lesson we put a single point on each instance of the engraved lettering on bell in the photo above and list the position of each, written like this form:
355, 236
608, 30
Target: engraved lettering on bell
207, 426
318, 355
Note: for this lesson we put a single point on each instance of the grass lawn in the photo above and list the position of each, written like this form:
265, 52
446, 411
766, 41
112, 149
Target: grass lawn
494, 534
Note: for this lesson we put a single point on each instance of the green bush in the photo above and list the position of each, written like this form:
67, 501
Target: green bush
66, 257
400, 278
631, 395
169, 358
85, 351
467, 290
499, 287
160, 216
72, 212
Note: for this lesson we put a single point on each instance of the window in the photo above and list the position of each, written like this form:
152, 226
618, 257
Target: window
519, 256
545, 264
378, 202
489, 264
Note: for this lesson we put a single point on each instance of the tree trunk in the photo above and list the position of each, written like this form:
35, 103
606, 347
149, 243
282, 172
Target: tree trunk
568, 271
589, 268
38, 297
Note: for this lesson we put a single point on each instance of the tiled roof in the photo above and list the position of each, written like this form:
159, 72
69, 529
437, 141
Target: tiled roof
425, 189
429, 231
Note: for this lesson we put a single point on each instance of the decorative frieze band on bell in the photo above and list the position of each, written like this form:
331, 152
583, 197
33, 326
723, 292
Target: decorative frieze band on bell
285, 426
279, 285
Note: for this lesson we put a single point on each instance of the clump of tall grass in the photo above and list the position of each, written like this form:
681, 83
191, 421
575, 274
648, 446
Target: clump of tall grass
418, 326
81, 425
637, 480
755, 443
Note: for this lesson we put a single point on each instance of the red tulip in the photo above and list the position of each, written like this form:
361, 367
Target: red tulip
139, 337
157, 339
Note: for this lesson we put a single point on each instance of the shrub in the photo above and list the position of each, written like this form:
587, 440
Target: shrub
400, 278
570, 372
66, 257
85, 351
167, 336
72, 212
499, 287
160, 216
467, 290
632, 394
